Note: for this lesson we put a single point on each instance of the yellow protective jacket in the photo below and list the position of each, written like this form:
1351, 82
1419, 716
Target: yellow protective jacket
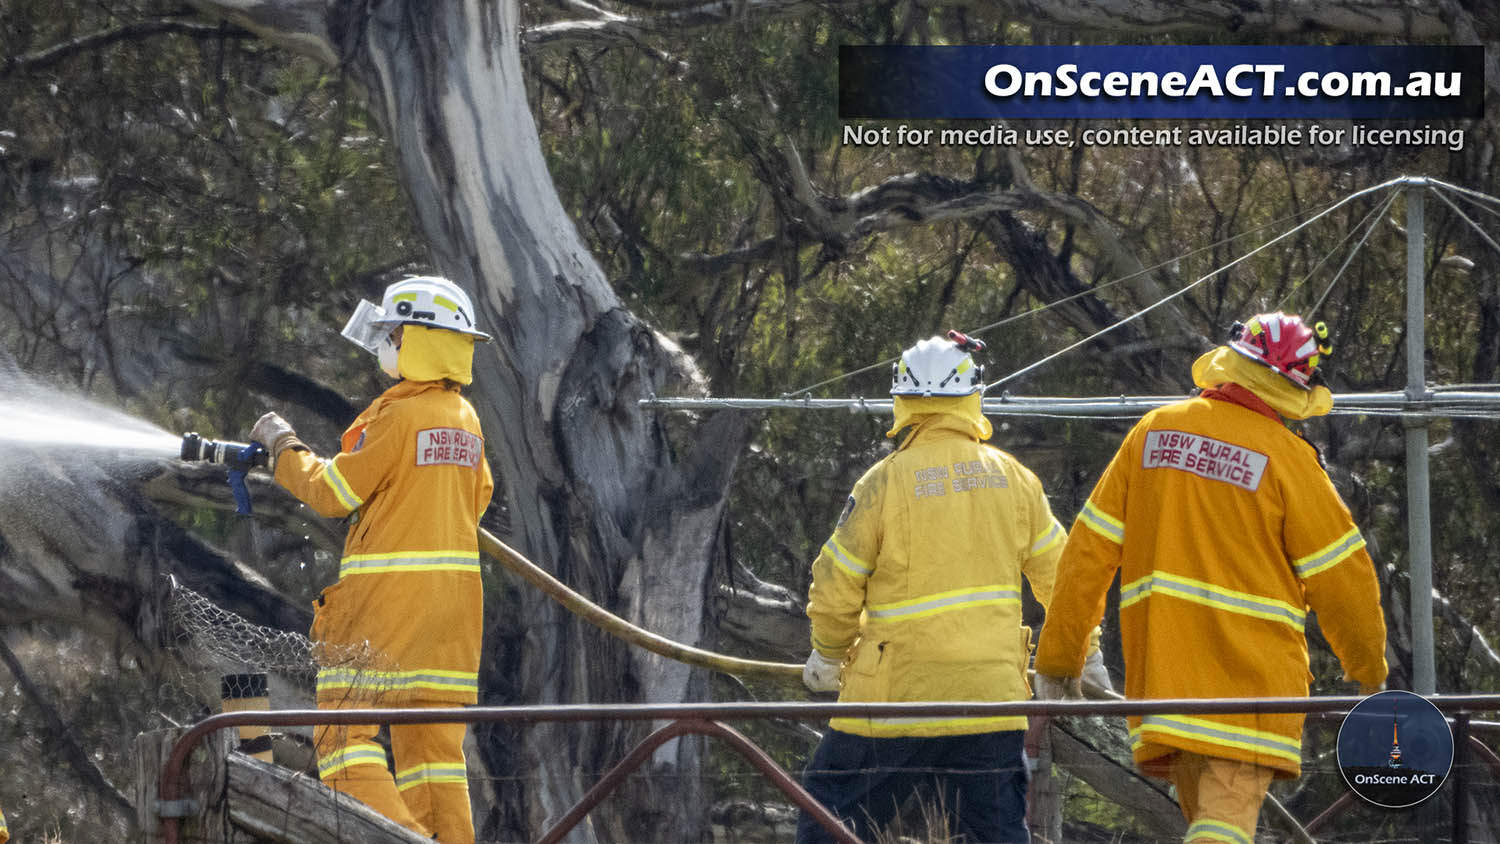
4, 830
413, 479
1227, 533
918, 591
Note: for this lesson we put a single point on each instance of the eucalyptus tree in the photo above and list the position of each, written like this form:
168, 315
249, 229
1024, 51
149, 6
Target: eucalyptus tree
711, 234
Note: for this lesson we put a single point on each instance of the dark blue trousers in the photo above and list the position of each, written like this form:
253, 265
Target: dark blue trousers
981, 779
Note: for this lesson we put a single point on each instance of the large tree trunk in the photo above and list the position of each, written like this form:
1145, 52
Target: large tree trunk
598, 491
595, 492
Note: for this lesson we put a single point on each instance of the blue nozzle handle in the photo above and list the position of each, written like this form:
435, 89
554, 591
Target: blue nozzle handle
246, 457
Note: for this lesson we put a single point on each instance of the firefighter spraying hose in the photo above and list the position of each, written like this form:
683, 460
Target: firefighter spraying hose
241, 457
411, 479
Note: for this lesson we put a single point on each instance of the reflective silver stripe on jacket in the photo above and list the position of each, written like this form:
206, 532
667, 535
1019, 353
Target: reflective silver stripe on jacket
1338, 551
957, 599
1209, 595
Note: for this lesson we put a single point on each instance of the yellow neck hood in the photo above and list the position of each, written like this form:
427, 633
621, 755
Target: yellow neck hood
434, 354
1224, 364
964, 412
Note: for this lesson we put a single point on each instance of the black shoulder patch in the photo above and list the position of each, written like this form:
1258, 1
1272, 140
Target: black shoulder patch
848, 510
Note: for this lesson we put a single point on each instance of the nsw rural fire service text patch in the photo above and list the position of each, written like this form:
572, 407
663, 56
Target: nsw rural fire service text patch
1205, 457
449, 446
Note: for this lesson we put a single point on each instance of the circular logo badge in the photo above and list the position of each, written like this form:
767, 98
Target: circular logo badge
1395, 749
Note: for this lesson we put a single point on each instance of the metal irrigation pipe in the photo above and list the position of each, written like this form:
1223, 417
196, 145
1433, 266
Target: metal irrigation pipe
1432, 402
171, 783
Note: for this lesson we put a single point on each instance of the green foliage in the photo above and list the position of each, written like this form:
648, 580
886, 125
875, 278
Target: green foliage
230, 203
243, 199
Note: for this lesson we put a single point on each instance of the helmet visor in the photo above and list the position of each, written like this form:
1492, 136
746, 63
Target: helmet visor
365, 327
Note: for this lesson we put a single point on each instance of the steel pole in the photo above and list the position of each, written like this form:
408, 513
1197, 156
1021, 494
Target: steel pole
1418, 502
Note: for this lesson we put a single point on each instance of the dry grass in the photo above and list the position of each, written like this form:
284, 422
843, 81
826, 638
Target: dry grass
923, 820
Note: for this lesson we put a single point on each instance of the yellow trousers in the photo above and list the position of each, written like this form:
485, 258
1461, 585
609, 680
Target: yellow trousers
1219, 797
429, 791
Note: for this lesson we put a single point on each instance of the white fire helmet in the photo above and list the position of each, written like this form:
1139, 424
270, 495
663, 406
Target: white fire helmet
939, 367
423, 300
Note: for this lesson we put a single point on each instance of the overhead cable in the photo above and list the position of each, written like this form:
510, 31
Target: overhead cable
1318, 305
1096, 289
1374, 211
1169, 297
1460, 212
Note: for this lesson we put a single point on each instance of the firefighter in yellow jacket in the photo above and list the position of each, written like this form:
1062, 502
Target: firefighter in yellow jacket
1226, 532
401, 627
917, 597
4, 830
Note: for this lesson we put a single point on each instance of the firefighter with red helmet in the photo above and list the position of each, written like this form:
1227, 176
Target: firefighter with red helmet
1227, 533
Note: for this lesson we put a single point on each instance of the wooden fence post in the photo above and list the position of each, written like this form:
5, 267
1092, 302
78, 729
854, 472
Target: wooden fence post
203, 809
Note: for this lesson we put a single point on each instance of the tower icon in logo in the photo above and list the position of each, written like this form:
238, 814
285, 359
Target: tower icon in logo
1395, 749
1395, 758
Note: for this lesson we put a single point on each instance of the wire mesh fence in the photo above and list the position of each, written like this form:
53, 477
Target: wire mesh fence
740, 807
738, 813
1091, 784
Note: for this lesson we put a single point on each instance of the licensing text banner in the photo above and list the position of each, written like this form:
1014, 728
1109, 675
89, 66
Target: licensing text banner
1335, 82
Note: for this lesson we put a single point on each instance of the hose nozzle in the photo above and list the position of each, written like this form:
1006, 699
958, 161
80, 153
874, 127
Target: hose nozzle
238, 456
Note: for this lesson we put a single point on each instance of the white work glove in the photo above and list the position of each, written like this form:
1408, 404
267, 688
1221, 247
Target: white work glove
1094, 672
274, 433
821, 674
1049, 687
1364, 690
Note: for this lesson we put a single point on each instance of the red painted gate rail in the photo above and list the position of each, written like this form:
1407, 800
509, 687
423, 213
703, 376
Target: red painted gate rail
707, 718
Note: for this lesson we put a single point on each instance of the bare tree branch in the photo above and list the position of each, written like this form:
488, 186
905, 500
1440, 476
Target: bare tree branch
1432, 19
1373, 17
666, 18
58, 53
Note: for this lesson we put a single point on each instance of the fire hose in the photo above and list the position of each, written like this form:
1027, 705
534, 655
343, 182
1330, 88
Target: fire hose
241, 457
619, 627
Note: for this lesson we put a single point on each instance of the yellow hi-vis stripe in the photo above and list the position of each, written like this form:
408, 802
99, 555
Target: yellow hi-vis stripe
355, 678
1329, 556
1213, 732
957, 599
1209, 595
340, 486
905, 726
845, 560
354, 754
1210, 830
409, 561
1102, 523
1048, 539
431, 774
